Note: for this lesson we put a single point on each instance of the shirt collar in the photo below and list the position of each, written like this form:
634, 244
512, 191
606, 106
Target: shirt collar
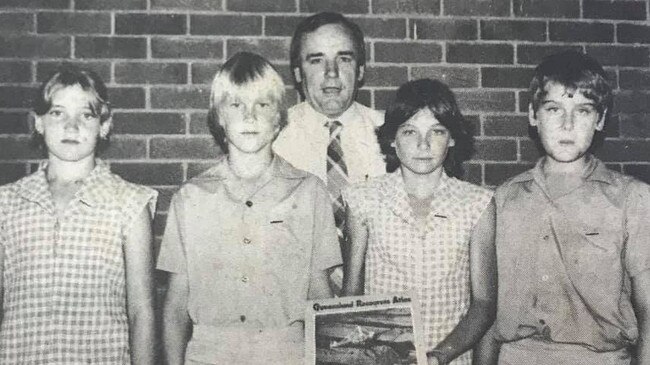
351, 115
279, 168
595, 171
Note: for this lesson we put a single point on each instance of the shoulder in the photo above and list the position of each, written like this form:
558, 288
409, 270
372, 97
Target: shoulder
10, 192
367, 190
472, 191
376, 116
128, 189
506, 190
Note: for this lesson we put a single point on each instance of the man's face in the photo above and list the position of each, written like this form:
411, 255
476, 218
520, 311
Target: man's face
566, 122
330, 71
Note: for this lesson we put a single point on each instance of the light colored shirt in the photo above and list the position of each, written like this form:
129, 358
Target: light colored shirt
248, 262
303, 142
64, 278
429, 256
566, 260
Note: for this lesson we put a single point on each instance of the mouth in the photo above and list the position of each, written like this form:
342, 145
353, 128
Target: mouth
250, 133
566, 142
331, 90
70, 141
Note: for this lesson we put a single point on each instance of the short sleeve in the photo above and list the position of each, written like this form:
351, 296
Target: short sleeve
135, 199
171, 257
326, 251
355, 202
637, 252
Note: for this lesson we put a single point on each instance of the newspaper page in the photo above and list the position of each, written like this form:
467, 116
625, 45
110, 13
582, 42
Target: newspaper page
372, 330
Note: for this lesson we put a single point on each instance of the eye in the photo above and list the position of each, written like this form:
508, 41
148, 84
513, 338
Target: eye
89, 116
264, 105
346, 59
315, 61
55, 113
440, 132
585, 111
408, 132
235, 104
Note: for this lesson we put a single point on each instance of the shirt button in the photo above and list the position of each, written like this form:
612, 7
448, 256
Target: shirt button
545, 237
244, 279
249, 203
242, 318
247, 241
544, 277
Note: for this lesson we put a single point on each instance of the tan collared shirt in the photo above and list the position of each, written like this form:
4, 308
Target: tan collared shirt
565, 263
303, 142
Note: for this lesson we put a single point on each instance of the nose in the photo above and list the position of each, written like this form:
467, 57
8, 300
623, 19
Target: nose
423, 142
72, 122
331, 69
567, 121
250, 115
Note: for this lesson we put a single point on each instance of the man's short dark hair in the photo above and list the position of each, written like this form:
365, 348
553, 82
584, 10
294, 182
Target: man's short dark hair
316, 21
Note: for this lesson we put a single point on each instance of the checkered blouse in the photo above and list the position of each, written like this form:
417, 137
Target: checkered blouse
429, 257
64, 278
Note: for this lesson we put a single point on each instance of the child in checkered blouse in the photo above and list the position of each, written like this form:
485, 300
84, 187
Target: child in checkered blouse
75, 241
420, 229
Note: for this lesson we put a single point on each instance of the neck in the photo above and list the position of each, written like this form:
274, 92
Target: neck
421, 186
69, 171
249, 165
576, 167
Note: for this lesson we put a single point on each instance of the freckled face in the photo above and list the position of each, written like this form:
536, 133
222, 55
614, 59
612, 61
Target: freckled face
566, 123
71, 128
329, 69
422, 143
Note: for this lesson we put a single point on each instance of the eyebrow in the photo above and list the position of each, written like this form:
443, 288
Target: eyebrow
321, 54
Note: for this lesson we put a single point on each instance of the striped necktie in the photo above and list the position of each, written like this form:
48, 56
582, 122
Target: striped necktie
337, 175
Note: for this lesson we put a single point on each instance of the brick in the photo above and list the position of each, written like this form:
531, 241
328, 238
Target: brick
477, 7
632, 33
624, 151
513, 30
185, 148
110, 47
275, 25
407, 52
382, 28
533, 54
203, 73
226, 24
16, 23
641, 172
45, 69
454, 77
531, 149
150, 73
199, 123
621, 56
187, 4
13, 123
505, 126
634, 79
447, 29
479, 53
612, 127
384, 98
473, 123
125, 148
10, 172
511, 77
271, 49
150, 24
194, 169
180, 98
35, 4
385, 76
150, 173
473, 173
186, 48
485, 101
341, 6
581, 32
524, 101
110, 4
635, 125
497, 174
495, 149
20, 148
406, 6
546, 8
127, 97
15, 71
16, 96
261, 6
148, 123
624, 10
73, 23
35, 46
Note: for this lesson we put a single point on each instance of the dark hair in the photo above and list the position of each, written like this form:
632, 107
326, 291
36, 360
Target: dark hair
434, 95
577, 72
314, 22
242, 69
70, 75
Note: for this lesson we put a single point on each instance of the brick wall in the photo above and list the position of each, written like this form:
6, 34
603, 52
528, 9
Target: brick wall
158, 57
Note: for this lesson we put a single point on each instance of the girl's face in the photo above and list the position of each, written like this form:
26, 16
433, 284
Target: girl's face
70, 128
422, 142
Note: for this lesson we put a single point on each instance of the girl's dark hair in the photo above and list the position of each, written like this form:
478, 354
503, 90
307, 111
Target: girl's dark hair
434, 95
69, 75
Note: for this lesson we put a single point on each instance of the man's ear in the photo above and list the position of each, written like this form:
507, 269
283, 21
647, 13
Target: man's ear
297, 75
601, 122
451, 143
38, 123
362, 71
532, 120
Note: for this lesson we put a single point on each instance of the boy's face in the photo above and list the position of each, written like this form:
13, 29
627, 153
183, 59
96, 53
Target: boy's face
566, 122
70, 128
250, 118
329, 71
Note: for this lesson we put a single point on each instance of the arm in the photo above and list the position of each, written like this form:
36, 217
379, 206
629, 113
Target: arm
326, 252
482, 310
176, 320
486, 351
357, 233
641, 297
139, 289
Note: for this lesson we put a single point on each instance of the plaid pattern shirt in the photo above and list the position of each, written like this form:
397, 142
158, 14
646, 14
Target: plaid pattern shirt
64, 277
428, 256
